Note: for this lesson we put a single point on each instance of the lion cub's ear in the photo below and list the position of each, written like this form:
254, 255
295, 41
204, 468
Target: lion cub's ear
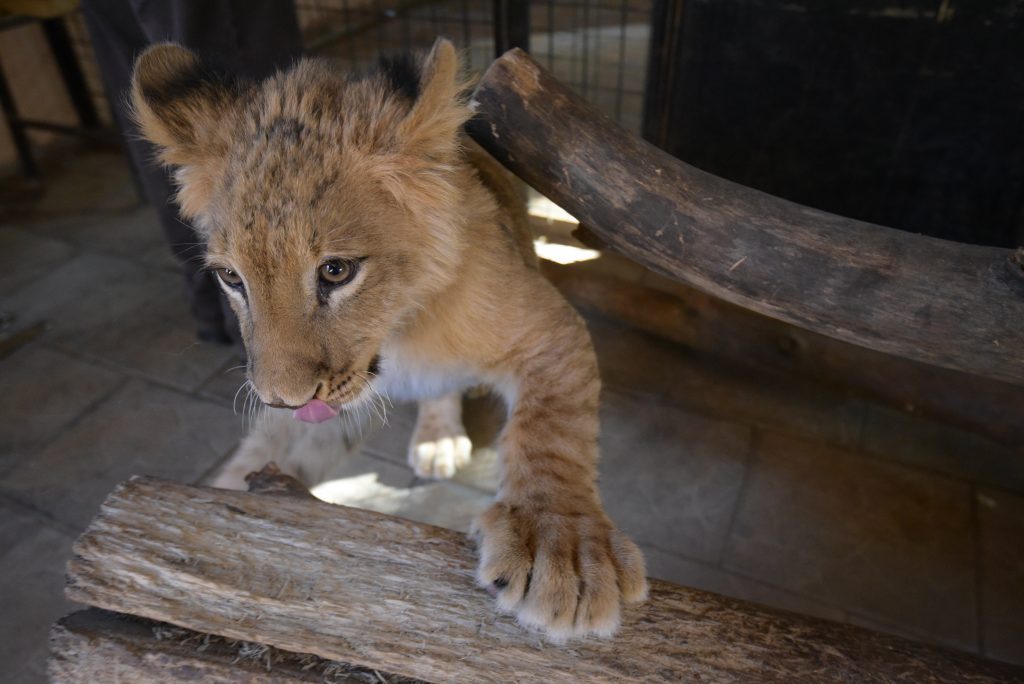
180, 103
185, 109
432, 126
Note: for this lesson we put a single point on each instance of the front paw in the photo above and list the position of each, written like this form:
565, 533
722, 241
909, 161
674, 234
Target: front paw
439, 445
563, 571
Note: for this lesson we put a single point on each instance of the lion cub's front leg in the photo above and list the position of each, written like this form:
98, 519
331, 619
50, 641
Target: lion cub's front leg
548, 552
439, 445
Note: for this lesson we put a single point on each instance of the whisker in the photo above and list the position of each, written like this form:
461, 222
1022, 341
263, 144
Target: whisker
257, 406
245, 404
253, 402
369, 385
234, 399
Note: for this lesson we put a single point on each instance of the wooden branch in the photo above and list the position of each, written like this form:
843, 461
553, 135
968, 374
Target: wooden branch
397, 596
100, 646
688, 317
270, 480
946, 304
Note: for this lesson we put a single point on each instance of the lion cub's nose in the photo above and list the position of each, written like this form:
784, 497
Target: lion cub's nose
277, 401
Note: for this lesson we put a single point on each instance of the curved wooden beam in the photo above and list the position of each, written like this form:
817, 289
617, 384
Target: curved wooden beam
947, 304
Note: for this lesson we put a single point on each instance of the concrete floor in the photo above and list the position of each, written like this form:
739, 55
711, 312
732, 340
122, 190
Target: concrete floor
751, 485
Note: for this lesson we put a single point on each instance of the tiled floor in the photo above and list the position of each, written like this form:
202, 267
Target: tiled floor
757, 486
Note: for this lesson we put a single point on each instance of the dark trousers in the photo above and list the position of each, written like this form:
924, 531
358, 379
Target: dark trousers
252, 37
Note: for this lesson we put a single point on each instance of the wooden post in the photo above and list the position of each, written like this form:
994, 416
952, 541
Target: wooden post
399, 597
946, 304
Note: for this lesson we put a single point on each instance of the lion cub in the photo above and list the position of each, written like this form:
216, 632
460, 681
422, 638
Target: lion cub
367, 248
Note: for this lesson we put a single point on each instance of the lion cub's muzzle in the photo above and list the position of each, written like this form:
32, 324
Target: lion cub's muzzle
331, 394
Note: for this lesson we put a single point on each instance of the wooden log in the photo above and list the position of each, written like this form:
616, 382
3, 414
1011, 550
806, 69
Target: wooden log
399, 597
100, 646
691, 318
941, 303
271, 481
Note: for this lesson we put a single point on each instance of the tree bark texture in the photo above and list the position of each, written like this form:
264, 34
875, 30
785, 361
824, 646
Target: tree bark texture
399, 597
99, 646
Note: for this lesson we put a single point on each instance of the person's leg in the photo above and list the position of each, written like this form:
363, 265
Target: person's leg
117, 39
253, 38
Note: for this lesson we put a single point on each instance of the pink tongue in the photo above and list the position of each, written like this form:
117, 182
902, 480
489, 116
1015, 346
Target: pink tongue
315, 411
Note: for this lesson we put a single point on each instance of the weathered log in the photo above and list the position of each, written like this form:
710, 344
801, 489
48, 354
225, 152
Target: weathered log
397, 596
272, 481
691, 318
946, 304
99, 646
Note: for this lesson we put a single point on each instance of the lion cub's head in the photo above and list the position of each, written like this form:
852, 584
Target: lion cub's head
329, 204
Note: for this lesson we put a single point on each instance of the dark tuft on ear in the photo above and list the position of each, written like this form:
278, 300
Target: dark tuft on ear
177, 78
188, 110
431, 129
178, 100
402, 73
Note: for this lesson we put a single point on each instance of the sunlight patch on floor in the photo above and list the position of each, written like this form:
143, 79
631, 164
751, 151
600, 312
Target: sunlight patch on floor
445, 504
350, 490
563, 254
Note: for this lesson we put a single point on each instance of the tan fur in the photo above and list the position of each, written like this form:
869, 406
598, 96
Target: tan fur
311, 165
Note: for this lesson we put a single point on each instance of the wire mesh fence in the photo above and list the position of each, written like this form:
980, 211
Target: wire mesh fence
598, 47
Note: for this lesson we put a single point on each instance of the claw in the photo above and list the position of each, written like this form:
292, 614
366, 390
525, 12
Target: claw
566, 575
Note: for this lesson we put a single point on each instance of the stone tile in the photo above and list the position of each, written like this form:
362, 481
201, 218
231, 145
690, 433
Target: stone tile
391, 441
670, 478
689, 573
356, 464
933, 445
1001, 521
41, 392
158, 340
141, 430
119, 311
903, 631
889, 543
25, 256
90, 292
88, 180
445, 504
633, 362
223, 383
32, 559
482, 416
789, 404
482, 472
312, 453
160, 256
134, 233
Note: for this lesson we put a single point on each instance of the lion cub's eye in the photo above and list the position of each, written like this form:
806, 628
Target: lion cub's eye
230, 278
337, 272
